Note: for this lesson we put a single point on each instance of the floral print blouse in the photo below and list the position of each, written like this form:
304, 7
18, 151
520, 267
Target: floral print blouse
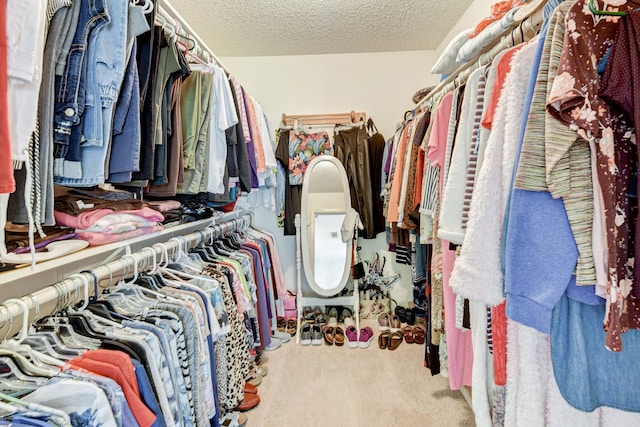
575, 100
304, 147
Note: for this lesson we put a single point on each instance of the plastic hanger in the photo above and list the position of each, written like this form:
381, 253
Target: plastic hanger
42, 343
594, 9
12, 347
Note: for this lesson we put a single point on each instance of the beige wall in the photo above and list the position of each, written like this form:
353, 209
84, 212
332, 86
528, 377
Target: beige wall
380, 84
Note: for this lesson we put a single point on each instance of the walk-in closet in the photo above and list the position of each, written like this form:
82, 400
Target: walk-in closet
319, 213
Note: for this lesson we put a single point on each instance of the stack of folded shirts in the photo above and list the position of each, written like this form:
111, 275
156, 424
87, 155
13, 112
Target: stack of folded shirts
104, 225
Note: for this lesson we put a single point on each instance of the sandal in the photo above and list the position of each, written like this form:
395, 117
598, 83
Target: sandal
383, 339
282, 324
383, 321
338, 336
407, 332
418, 335
400, 312
394, 323
308, 314
395, 339
328, 333
292, 327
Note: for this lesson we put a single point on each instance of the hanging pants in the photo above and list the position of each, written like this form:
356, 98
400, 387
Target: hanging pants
352, 149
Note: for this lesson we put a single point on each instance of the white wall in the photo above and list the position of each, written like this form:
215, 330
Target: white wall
478, 10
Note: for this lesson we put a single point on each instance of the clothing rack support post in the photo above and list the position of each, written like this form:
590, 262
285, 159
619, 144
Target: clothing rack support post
298, 277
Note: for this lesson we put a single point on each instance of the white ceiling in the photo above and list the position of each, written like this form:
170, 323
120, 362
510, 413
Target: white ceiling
306, 27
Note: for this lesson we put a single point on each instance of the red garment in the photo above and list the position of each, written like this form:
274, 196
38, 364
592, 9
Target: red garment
504, 66
119, 359
142, 414
7, 181
499, 330
498, 10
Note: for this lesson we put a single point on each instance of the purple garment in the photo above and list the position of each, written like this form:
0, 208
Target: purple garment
251, 150
263, 317
387, 166
44, 243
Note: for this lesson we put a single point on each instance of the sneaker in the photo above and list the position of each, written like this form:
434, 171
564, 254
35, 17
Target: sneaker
365, 338
316, 335
305, 334
351, 334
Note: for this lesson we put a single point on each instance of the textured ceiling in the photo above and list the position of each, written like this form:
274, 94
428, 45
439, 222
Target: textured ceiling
305, 27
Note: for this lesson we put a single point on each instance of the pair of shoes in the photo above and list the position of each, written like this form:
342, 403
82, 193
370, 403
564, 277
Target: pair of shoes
390, 340
362, 340
413, 334
406, 315
234, 419
315, 315
249, 402
334, 335
291, 327
333, 317
256, 374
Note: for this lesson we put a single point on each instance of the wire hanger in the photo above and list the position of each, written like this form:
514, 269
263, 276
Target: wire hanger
594, 9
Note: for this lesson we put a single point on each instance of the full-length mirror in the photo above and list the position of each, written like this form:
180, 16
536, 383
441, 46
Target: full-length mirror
325, 201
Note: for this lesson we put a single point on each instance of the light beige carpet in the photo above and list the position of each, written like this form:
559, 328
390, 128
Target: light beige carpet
338, 386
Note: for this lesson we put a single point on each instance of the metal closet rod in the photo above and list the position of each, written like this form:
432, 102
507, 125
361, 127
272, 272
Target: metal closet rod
168, 11
89, 283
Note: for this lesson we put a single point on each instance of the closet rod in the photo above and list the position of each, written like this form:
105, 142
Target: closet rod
525, 30
323, 119
70, 291
168, 11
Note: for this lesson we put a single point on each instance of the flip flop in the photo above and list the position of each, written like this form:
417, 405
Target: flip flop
407, 332
418, 335
395, 339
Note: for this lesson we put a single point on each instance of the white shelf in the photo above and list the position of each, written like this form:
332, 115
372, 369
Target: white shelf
23, 281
